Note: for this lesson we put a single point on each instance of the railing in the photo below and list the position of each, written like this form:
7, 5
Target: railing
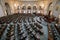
30, 11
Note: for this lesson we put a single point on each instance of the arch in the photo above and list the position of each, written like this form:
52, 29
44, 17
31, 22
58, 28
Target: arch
29, 7
48, 11
49, 6
18, 8
34, 8
8, 11
24, 8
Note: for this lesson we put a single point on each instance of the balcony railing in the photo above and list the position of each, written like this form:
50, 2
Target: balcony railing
30, 11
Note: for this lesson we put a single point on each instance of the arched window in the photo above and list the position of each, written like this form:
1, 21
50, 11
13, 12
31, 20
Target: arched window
18, 8
29, 8
34, 8
24, 8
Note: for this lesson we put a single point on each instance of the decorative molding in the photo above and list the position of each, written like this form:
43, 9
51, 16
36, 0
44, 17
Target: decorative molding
28, 0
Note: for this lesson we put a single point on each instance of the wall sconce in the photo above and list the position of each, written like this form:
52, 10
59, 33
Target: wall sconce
42, 5
15, 5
